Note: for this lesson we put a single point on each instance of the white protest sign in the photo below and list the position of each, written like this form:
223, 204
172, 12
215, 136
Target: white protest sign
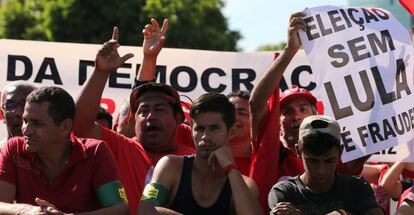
362, 59
401, 152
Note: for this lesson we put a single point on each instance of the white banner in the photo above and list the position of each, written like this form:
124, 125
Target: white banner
363, 58
69, 65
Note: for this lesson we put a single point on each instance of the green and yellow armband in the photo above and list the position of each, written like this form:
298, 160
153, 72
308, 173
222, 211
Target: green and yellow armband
111, 193
155, 193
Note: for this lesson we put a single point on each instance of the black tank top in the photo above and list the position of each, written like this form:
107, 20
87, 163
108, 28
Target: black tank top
184, 201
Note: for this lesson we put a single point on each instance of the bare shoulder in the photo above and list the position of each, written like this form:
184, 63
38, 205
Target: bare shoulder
167, 167
171, 161
167, 173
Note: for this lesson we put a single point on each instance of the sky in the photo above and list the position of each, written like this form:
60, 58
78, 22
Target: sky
265, 21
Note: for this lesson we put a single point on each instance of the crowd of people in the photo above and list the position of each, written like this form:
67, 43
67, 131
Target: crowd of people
260, 153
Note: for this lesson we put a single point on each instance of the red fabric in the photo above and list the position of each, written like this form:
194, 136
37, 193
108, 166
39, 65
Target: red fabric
244, 165
133, 165
230, 167
264, 167
91, 164
184, 136
407, 174
291, 166
116, 123
409, 5
407, 195
381, 195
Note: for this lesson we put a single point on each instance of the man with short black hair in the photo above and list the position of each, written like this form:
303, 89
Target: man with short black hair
49, 170
320, 190
209, 182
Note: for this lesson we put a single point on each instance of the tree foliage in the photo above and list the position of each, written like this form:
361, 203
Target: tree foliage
272, 47
193, 24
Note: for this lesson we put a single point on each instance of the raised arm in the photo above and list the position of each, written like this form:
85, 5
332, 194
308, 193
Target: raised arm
154, 38
269, 80
107, 60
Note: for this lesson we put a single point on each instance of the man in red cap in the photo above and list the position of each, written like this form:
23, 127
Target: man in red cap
155, 107
274, 155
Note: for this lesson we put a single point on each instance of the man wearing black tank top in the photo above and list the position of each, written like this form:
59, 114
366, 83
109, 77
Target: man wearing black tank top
210, 182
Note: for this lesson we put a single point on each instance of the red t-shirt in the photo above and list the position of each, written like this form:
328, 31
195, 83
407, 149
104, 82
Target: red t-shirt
184, 136
133, 165
407, 174
91, 164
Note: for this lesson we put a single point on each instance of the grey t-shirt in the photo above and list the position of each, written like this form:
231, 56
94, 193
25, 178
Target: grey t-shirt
353, 194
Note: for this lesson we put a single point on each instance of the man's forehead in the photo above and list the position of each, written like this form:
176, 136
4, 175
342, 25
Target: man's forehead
158, 95
205, 123
300, 101
208, 118
36, 108
326, 155
152, 100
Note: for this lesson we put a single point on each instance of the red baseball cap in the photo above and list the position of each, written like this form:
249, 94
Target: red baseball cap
296, 92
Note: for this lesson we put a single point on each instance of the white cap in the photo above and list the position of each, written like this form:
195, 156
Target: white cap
319, 123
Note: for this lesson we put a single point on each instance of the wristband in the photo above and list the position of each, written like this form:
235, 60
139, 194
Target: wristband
342, 212
230, 167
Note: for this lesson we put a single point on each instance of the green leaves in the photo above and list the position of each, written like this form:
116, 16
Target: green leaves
193, 24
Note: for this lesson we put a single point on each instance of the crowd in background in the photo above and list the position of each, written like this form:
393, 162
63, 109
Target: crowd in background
256, 152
